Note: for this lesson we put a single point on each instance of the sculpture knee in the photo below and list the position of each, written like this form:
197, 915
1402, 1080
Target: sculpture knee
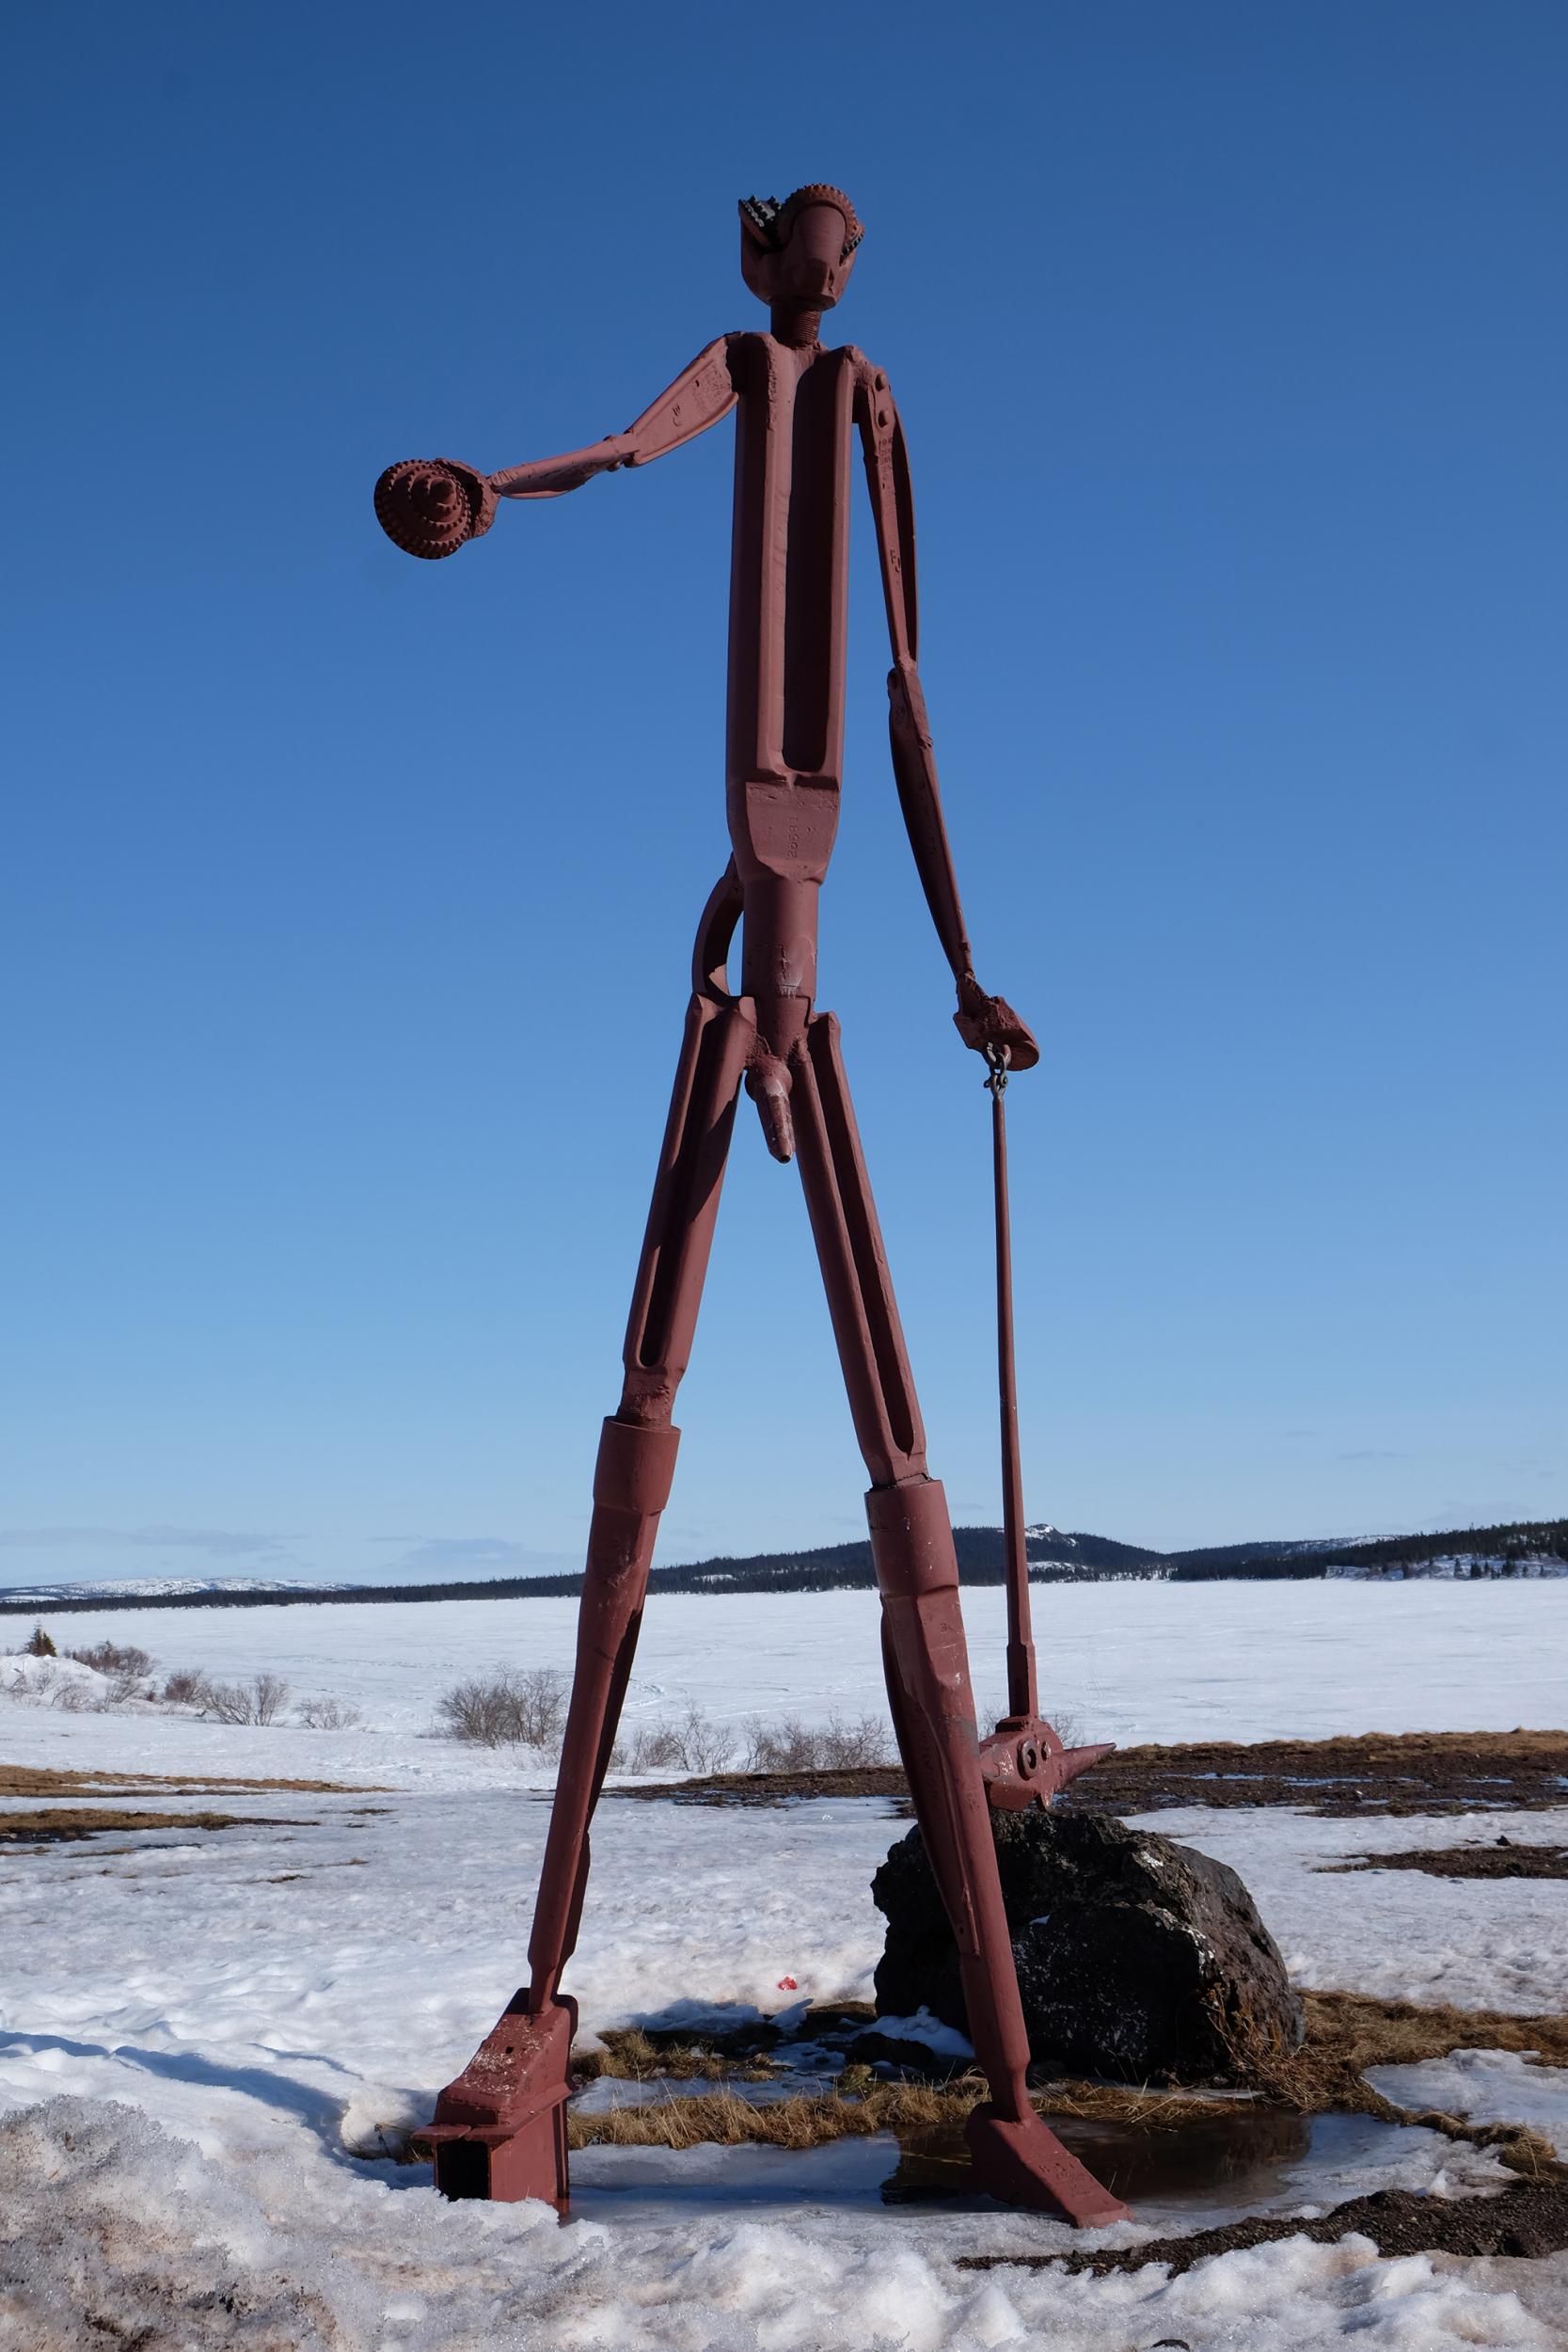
632, 1478
636, 1467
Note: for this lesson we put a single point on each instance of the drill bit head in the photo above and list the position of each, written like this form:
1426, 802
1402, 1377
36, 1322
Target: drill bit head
427, 506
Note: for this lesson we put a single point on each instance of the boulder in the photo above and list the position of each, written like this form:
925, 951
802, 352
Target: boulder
1137, 1957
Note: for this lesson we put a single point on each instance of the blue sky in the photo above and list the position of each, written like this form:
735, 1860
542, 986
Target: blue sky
348, 901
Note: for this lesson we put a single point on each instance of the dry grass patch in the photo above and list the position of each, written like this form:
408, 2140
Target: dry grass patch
32, 1780
57, 1825
631, 2057
729, 2120
1346, 2032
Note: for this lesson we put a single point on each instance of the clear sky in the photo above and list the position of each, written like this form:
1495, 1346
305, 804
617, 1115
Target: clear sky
349, 899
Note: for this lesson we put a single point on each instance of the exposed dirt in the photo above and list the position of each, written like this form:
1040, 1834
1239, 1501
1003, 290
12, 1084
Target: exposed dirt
1410, 1773
1529, 2218
61, 1825
32, 1780
1503, 1860
868, 1780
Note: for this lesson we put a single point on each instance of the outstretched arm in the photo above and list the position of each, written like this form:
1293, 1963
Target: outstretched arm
983, 1022
430, 506
701, 395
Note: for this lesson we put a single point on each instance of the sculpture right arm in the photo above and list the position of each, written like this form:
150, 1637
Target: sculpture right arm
430, 506
702, 396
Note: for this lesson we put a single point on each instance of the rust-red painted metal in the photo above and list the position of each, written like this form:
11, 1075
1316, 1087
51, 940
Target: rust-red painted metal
499, 2127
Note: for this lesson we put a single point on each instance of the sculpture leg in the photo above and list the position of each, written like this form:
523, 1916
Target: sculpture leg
500, 2127
926, 1658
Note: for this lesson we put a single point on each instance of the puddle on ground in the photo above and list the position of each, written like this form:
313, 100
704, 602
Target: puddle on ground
1244, 2153
1248, 2159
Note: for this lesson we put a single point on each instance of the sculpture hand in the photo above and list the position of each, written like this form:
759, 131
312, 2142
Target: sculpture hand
429, 506
987, 1022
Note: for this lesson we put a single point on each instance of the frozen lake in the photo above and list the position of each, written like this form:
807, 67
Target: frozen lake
1118, 1662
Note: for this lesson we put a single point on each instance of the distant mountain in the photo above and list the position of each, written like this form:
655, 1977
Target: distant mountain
112, 1592
1523, 1548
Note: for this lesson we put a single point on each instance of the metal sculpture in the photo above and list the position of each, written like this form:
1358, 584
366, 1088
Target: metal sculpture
500, 2128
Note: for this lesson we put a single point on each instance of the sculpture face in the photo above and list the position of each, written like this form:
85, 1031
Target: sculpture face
798, 255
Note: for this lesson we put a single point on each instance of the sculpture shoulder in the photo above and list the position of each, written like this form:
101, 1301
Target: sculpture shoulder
747, 354
866, 371
756, 359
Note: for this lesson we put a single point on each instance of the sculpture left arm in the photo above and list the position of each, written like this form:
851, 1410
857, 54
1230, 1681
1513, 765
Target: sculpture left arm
982, 1021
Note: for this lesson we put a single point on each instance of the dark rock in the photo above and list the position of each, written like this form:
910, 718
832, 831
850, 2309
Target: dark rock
908, 2058
1137, 1957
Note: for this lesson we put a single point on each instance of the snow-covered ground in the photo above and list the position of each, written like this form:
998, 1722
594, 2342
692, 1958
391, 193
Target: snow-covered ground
216, 2025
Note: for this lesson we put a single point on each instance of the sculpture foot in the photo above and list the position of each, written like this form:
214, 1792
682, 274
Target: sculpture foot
500, 2126
1023, 2163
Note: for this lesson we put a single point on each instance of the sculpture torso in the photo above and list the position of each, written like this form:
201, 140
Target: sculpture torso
788, 614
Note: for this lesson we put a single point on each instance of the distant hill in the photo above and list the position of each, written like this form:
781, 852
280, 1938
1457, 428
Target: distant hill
125, 1591
1526, 1548
1522, 1547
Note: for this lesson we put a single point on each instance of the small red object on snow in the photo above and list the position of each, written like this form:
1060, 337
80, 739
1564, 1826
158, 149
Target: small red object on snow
788, 1985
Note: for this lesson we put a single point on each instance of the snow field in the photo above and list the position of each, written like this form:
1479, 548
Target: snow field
201, 2038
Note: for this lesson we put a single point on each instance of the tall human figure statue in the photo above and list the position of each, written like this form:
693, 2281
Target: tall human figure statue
499, 2128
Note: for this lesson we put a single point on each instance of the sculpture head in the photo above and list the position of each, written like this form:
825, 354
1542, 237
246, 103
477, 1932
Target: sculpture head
797, 256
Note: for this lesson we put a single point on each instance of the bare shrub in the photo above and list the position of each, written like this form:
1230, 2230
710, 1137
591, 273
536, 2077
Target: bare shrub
76, 1699
189, 1686
227, 1703
694, 1744
785, 1747
836, 1746
647, 1748
112, 1658
706, 1747
517, 1707
328, 1714
271, 1693
260, 1701
691, 1744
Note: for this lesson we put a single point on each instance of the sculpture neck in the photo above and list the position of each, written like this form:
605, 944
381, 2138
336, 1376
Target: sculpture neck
795, 326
